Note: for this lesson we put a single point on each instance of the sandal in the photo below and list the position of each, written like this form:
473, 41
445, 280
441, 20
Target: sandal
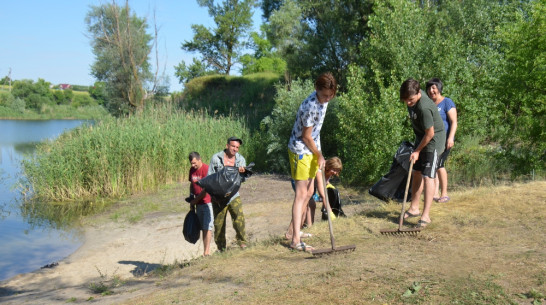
305, 235
422, 223
410, 215
302, 247
443, 199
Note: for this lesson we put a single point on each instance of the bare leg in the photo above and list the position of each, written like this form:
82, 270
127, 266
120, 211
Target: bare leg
304, 191
429, 192
207, 237
437, 185
416, 190
442, 176
310, 216
290, 230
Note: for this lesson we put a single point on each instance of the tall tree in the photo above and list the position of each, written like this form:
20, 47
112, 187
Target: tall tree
315, 36
220, 47
122, 47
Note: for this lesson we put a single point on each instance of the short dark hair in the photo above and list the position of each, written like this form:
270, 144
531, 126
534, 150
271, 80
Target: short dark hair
435, 81
194, 155
326, 81
235, 139
409, 88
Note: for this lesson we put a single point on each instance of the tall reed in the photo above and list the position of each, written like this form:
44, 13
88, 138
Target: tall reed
117, 157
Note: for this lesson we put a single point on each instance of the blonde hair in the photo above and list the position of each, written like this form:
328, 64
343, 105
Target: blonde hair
333, 163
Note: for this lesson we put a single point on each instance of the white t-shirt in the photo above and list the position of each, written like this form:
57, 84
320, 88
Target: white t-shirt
310, 113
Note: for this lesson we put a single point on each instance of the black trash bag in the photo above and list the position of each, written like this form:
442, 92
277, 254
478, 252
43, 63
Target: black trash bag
225, 183
335, 204
393, 185
192, 227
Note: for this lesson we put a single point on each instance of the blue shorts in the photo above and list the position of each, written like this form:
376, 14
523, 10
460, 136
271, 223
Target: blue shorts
204, 212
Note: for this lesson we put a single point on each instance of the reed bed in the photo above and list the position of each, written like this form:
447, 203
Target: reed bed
118, 157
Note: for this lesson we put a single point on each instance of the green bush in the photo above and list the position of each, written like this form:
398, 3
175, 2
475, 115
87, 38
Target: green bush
278, 125
248, 97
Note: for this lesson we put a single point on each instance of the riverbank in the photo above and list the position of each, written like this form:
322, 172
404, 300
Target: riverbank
483, 247
126, 250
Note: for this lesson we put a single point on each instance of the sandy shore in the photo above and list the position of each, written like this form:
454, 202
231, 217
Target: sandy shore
127, 251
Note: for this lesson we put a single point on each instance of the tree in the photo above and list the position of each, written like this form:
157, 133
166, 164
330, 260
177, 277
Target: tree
34, 94
264, 59
220, 47
521, 86
196, 69
122, 47
315, 36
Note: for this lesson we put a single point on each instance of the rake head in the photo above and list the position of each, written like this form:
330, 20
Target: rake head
412, 231
327, 251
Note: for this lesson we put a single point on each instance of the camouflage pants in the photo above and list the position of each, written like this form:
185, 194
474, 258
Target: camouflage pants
235, 209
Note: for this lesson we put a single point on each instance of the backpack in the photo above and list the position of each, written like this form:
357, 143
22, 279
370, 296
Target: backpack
335, 203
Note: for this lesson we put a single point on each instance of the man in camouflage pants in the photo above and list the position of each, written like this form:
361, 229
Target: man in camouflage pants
228, 157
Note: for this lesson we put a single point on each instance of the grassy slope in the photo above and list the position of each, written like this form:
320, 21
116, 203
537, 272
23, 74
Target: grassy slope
484, 247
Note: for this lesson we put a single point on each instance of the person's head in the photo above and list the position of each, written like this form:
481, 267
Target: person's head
333, 167
410, 92
232, 146
434, 88
326, 87
195, 160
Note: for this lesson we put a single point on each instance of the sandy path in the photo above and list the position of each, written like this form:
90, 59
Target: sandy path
127, 251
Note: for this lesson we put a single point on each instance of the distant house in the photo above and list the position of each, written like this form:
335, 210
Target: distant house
64, 86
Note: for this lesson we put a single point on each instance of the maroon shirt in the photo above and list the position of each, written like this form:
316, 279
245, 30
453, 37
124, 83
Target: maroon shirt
196, 175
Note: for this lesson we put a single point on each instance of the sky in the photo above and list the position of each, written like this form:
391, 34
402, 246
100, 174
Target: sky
49, 39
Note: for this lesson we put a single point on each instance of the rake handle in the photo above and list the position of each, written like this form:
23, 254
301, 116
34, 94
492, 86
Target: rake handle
328, 209
401, 222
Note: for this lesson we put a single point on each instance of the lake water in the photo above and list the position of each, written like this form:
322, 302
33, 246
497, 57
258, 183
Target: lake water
27, 245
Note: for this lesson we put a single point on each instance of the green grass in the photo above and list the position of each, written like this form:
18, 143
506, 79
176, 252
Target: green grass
117, 157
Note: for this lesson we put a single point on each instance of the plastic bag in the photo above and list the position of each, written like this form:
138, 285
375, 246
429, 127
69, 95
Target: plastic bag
191, 227
393, 184
225, 183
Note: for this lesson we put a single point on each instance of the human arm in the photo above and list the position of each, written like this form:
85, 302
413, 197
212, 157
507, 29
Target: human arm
429, 134
452, 117
198, 198
307, 139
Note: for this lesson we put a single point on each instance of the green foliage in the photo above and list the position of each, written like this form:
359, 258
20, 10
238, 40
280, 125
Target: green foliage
121, 46
521, 88
5, 81
318, 36
264, 58
221, 47
34, 94
117, 157
372, 124
249, 97
278, 125
82, 100
98, 92
196, 69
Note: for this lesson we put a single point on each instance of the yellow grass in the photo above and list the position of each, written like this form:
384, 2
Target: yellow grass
486, 246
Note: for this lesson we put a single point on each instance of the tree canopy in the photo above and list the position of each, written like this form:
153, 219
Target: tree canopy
220, 47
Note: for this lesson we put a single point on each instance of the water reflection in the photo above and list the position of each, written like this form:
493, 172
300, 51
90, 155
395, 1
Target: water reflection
32, 234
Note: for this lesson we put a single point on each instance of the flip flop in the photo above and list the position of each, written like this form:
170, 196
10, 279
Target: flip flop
443, 199
305, 235
422, 223
436, 198
410, 215
302, 247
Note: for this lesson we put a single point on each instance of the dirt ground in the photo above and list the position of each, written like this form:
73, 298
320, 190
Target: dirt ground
128, 251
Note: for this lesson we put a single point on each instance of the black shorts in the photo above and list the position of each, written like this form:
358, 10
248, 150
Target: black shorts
443, 158
427, 164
